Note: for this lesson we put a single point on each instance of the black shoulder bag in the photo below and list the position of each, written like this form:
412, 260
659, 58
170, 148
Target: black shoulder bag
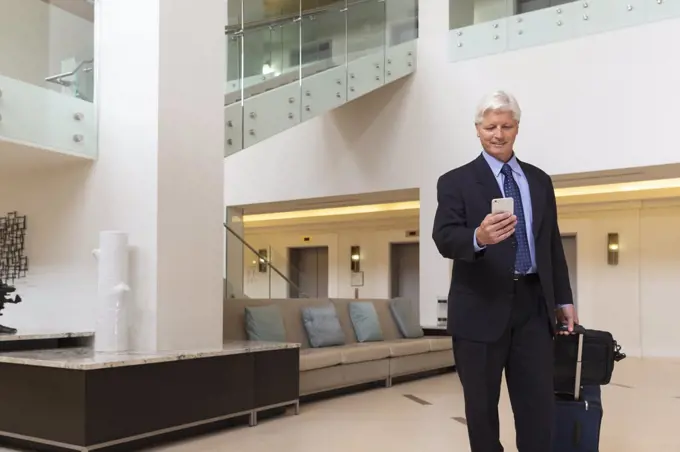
598, 351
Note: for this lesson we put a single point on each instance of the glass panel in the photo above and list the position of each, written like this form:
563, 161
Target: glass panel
47, 74
267, 274
365, 28
463, 13
402, 21
597, 15
234, 37
324, 59
48, 45
324, 42
290, 50
271, 49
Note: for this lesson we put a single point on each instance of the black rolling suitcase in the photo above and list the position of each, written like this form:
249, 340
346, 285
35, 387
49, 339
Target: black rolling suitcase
578, 407
578, 411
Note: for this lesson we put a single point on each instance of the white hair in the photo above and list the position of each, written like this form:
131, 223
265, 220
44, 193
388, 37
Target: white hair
498, 101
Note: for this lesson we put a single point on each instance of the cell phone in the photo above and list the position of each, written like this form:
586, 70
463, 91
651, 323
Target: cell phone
503, 205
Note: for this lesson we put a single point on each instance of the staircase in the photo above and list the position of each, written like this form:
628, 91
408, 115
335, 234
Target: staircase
289, 69
287, 61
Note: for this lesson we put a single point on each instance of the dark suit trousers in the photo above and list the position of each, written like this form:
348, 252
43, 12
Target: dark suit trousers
525, 352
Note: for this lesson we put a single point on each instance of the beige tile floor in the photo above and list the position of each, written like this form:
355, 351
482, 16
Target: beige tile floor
642, 413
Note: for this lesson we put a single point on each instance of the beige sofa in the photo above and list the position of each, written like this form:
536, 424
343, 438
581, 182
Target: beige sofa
328, 368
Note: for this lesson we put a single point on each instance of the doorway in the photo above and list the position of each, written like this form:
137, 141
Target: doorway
569, 245
308, 270
405, 272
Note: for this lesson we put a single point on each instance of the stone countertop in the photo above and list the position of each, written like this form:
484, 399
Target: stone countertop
84, 358
29, 335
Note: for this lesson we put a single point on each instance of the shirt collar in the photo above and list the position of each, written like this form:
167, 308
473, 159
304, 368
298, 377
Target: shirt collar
496, 165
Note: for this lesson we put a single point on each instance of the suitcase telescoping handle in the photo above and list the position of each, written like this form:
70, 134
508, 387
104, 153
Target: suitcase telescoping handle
580, 331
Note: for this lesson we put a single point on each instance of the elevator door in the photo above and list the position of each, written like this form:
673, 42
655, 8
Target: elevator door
309, 272
405, 271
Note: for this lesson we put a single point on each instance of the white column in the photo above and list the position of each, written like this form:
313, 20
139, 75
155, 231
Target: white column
159, 177
428, 84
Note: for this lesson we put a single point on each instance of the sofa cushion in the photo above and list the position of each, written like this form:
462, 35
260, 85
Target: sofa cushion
264, 323
235, 323
322, 326
319, 358
406, 318
382, 308
438, 344
405, 347
365, 321
358, 353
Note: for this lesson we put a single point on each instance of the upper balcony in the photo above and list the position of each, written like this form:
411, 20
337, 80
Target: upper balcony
291, 60
287, 61
47, 77
486, 27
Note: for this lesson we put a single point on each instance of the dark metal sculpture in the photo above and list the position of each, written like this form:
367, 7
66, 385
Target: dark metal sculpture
13, 263
5, 297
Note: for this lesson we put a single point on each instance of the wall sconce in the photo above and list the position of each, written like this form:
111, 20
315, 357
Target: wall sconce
613, 248
355, 263
262, 261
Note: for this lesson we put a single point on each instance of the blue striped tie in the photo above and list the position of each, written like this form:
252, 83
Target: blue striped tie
523, 256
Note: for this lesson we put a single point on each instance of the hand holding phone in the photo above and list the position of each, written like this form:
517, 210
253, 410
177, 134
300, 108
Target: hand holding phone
499, 224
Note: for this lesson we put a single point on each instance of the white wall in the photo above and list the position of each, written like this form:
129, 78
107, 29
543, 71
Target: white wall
35, 37
58, 292
637, 299
586, 108
375, 261
158, 177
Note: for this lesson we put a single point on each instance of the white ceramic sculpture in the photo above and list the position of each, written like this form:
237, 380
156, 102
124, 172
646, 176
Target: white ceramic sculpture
111, 325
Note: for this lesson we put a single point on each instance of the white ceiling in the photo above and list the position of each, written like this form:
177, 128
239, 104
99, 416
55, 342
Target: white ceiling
81, 8
18, 159
409, 219
360, 199
617, 176
562, 181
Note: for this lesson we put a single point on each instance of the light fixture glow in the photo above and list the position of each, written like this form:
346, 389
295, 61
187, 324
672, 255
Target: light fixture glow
618, 188
415, 205
351, 210
613, 248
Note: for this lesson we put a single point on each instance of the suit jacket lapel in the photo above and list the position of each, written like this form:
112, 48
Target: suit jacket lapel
538, 197
486, 179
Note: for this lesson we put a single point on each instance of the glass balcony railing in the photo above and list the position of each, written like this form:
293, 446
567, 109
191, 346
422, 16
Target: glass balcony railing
47, 75
264, 273
287, 61
486, 27
291, 60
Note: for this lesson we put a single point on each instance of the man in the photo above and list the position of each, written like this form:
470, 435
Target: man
510, 282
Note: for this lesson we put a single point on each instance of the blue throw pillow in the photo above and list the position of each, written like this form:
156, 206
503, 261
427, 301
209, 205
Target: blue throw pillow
322, 326
404, 316
365, 321
265, 323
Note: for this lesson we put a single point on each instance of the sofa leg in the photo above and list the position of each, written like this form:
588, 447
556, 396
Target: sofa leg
297, 407
388, 382
253, 419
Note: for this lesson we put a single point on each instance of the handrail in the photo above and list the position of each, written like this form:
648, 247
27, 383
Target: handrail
290, 18
58, 78
265, 260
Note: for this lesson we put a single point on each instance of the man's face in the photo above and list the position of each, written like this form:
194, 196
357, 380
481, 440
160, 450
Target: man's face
497, 133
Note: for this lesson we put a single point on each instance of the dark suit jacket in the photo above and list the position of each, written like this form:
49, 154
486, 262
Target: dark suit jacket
482, 284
